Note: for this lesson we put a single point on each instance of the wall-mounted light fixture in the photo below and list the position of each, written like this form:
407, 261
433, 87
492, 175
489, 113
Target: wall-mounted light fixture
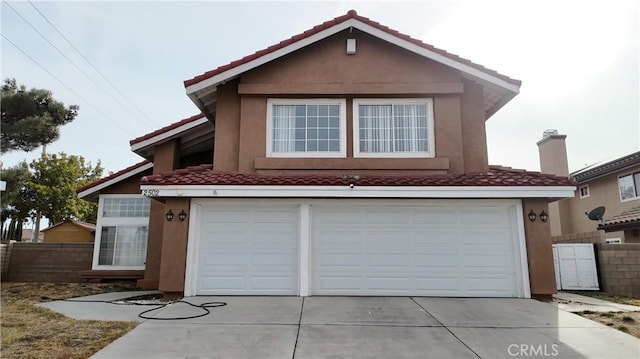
532, 216
544, 216
182, 216
169, 216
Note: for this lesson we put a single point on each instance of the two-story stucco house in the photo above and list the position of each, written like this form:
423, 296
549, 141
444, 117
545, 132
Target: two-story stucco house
350, 159
613, 184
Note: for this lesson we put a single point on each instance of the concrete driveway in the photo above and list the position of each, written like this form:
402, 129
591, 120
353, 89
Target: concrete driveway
372, 327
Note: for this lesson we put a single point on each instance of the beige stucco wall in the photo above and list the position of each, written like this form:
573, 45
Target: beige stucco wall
602, 192
324, 70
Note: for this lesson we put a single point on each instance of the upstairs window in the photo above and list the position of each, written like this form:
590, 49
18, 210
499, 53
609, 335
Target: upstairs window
306, 128
584, 191
629, 186
393, 128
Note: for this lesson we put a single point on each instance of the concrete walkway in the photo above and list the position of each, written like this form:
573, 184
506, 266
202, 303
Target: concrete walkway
368, 327
577, 303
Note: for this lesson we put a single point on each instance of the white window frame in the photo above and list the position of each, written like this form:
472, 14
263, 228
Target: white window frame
110, 222
342, 153
586, 188
430, 153
636, 186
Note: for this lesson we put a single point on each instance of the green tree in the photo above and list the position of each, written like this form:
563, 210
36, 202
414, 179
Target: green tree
31, 118
17, 178
51, 188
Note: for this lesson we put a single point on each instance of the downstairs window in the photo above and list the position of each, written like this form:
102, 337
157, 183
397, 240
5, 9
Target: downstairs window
122, 233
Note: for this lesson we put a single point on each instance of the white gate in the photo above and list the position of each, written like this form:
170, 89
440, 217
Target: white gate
575, 266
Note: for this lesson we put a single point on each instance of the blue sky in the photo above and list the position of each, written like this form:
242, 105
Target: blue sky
578, 60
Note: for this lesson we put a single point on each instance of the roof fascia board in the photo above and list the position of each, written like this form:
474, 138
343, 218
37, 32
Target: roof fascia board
226, 75
93, 190
214, 191
166, 135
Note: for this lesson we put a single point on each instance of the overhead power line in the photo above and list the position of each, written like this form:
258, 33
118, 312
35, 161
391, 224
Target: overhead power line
89, 62
73, 63
67, 86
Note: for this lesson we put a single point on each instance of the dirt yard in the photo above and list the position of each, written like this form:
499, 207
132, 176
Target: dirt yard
29, 331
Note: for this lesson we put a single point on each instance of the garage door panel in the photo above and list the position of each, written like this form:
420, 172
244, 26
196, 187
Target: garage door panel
248, 248
339, 216
413, 250
388, 238
434, 260
486, 216
392, 216
386, 260
337, 261
435, 216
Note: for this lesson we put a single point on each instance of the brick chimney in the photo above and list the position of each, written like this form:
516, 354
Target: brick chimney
553, 153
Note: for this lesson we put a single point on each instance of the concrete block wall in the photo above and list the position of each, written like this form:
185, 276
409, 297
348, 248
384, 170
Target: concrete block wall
49, 262
584, 237
5, 254
619, 266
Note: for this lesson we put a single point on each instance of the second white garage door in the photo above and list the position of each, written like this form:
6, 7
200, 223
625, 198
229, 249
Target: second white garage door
445, 249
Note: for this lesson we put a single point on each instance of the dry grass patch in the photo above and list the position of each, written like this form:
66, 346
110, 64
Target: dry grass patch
29, 331
627, 322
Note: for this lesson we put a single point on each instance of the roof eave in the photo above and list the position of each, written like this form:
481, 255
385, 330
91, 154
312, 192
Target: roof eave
145, 148
512, 88
93, 191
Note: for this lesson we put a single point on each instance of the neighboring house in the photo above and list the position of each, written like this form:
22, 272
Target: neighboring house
69, 231
613, 184
350, 159
27, 235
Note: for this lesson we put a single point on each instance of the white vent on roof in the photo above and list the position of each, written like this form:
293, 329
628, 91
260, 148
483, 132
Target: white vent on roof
549, 133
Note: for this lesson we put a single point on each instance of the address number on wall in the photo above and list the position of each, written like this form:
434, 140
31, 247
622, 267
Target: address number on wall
150, 192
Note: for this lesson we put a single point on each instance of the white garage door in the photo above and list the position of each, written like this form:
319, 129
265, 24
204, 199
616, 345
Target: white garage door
446, 249
248, 248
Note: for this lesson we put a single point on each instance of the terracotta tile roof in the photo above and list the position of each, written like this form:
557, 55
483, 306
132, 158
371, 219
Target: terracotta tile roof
626, 219
328, 24
166, 129
112, 176
205, 175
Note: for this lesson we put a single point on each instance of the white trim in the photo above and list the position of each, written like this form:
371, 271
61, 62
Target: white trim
193, 242
114, 180
459, 192
168, 134
305, 249
523, 269
114, 221
231, 73
430, 153
342, 153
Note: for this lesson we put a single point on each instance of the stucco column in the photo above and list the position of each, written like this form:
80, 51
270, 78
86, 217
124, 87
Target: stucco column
174, 248
539, 251
165, 159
